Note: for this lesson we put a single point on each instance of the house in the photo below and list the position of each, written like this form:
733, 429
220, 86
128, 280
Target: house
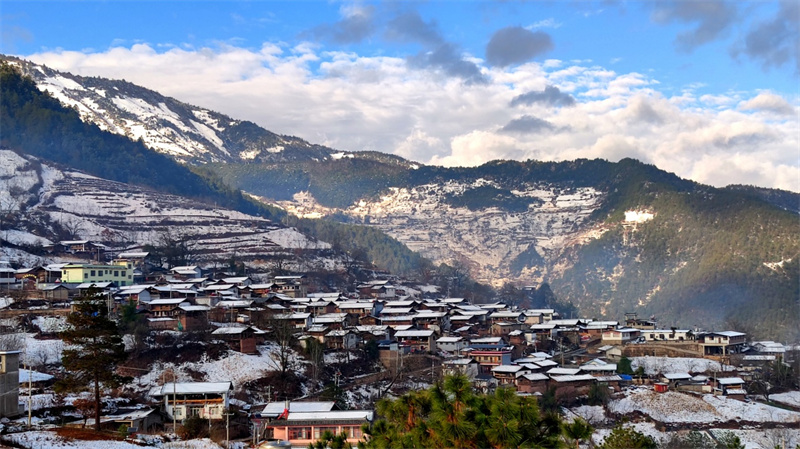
341, 339
620, 336
161, 308
674, 379
572, 385
55, 292
96, 273
417, 340
242, 339
293, 286
468, 367
138, 294
137, 420
275, 410
732, 387
507, 374
489, 358
359, 308
192, 317
453, 345
303, 428
208, 400
632, 320
7, 274
300, 320
9, 383
532, 383
668, 335
721, 343
544, 314
186, 272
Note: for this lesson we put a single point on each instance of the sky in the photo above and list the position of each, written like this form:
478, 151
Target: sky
709, 90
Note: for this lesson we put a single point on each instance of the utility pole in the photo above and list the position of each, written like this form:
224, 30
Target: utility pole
228, 429
30, 392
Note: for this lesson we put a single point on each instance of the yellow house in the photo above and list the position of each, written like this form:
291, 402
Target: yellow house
80, 273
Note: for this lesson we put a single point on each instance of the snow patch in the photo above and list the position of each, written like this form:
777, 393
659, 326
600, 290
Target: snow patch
63, 83
637, 216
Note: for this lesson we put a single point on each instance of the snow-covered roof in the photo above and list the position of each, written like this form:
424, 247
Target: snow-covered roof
229, 330
534, 377
196, 388
730, 381
450, 340
166, 301
677, 376
355, 305
606, 367
396, 310
133, 255
414, 333
459, 362
332, 415
563, 371
274, 409
293, 316
26, 376
507, 368
193, 308
573, 378
232, 304
544, 363
729, 334
487, 341
85, 285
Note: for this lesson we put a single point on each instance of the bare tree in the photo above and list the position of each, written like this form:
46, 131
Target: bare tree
73, 227
284, 337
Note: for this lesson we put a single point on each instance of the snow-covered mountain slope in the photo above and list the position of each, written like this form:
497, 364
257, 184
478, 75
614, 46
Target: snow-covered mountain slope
498, 246
43, 203
188, 133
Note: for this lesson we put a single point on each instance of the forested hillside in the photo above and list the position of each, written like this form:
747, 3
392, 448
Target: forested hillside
35, 123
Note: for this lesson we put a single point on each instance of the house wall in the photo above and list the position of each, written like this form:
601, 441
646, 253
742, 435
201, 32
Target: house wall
9, 384
302, 436
97, 273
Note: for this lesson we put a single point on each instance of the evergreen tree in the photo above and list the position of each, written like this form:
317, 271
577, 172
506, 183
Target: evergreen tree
627, 438
94, 349
451, 415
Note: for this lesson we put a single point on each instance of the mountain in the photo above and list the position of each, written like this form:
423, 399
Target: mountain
609, 237
40, 199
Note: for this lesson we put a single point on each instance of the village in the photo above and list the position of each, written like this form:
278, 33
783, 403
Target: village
344, 350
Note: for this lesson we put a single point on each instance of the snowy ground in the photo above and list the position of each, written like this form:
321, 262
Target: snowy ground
750, 438
674, 407
664, 365
235, 367
791, 398
50, 440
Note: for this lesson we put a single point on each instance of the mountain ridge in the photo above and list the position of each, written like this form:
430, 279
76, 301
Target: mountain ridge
686, 251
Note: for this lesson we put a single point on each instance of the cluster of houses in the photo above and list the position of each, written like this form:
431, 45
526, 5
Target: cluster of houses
494, 344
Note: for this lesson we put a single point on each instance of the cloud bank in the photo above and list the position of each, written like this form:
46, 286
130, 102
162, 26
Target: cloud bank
444, 107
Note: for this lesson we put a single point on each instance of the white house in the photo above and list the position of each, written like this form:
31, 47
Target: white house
208, 400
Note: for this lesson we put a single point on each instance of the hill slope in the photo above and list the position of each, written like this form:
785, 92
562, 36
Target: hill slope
610, 237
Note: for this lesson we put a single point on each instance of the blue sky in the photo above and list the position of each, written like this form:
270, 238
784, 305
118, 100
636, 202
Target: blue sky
706, 89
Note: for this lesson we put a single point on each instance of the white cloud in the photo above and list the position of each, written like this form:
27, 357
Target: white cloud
768, 102
351, 102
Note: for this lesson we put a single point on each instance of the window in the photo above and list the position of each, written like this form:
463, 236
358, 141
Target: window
116, 273
318, 431
86, 275
92, 273
300, 433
